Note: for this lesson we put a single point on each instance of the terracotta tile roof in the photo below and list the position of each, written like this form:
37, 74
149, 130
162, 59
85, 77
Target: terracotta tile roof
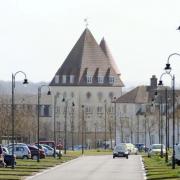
87, 58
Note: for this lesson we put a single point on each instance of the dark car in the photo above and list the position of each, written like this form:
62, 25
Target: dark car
141, 147
35, 152
120, 151
9, 159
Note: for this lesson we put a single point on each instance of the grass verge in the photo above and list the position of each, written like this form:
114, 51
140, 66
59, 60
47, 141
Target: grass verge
158, 169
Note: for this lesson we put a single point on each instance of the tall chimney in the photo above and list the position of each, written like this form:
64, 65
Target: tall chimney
153, 82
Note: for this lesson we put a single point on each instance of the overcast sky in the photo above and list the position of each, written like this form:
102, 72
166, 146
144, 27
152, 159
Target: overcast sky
37, 35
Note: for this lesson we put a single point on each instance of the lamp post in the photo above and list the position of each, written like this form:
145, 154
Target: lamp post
72, 126
55, 103
160, 123
38, 113
105, 109
12, 107
114, 101
65, 123
82, 129
168, 71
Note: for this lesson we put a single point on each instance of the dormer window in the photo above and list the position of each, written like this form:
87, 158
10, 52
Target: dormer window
64, 79
56, 79
71, 79
89, 79
100, 79
111, 79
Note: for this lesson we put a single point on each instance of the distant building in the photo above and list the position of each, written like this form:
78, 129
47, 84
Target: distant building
141, 115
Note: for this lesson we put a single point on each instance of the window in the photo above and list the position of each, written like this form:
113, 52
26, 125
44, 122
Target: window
124, 108
88, 109
64, 79
99, 109
100, 79
111, 79
45, 110
56, 79
89, 79
71, 79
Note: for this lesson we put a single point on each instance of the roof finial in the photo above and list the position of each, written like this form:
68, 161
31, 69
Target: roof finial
86, 22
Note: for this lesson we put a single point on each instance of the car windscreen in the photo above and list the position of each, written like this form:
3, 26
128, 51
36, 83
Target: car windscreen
158, 146
120, 148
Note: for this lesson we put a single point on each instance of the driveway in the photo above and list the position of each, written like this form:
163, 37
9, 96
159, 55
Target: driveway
96, 168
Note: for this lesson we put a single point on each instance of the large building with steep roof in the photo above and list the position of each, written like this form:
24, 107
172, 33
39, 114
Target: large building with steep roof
84, 85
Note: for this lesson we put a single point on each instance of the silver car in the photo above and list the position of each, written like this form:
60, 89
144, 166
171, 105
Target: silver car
20, 151
155, 149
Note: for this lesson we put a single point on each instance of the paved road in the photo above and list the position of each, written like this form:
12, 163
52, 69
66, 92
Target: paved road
96, 168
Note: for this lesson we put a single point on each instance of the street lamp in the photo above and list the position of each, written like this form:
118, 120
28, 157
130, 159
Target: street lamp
55, 103
105, 109
159, 124
65, 123
168, 71
82, 129
12, 107
114, 101
167, 126
38, 113
72, 125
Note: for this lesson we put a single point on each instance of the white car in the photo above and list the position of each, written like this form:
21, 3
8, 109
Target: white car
155, 149
49, 150
20, 151
177, 154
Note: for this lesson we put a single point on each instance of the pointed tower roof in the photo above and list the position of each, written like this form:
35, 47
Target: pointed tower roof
108, 54
86, 59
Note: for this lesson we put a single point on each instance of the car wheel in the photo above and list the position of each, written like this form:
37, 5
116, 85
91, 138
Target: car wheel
34, 157
25, 157
113, 157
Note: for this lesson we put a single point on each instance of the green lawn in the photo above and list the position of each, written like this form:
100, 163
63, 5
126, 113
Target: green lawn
29, 167
157, 169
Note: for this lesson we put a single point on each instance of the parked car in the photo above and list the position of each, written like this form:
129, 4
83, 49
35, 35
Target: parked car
155, 149
120, 151
131, 148
8, 158
177, 153
49, 151
34, 152
21, 151
141, 147
42, 148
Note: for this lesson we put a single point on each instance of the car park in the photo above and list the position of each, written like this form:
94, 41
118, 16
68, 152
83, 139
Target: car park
120, 151
155, 149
